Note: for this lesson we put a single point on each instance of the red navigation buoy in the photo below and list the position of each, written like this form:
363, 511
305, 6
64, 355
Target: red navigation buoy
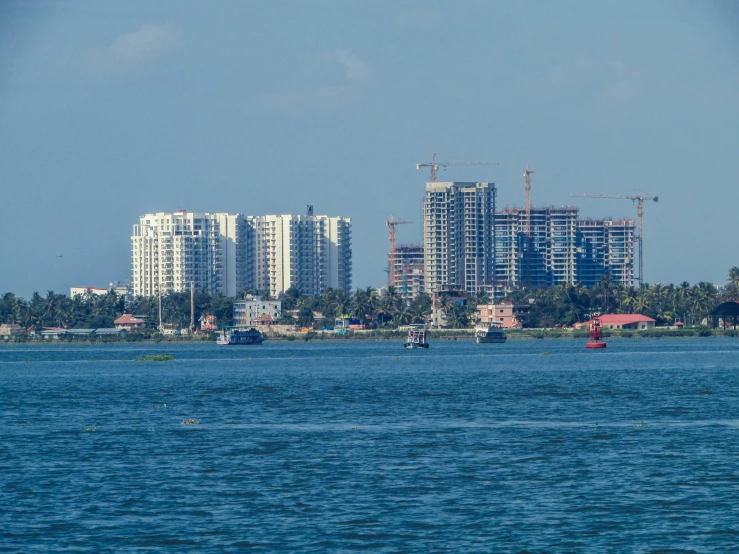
596, 336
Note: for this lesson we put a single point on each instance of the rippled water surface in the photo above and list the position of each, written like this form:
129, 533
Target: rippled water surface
348, 446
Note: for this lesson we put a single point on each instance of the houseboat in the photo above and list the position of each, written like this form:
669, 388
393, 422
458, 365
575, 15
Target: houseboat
228, 337
490, 333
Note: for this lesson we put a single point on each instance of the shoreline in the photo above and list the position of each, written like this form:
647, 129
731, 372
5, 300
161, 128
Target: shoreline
398, 336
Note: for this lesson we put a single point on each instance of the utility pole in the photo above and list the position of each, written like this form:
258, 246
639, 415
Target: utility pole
159, 309
192, 308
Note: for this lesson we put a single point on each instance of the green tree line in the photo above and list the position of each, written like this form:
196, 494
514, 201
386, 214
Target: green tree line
556, 306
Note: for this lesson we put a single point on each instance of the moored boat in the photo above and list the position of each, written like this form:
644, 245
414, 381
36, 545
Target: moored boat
490, 333
229, 337
416, 337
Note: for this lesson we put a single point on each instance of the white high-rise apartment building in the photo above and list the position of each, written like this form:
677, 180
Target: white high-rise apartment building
311, 253
230, 253
172, 250
458, 236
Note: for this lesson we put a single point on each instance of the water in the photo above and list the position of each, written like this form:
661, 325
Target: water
364, 446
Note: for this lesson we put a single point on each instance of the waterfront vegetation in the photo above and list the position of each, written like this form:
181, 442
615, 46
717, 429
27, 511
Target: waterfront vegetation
155, 358
555, 307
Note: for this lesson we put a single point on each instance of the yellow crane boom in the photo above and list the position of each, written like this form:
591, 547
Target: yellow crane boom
434, 165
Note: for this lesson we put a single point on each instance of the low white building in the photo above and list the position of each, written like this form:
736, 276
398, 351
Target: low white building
122, 288
97, 291
252, 307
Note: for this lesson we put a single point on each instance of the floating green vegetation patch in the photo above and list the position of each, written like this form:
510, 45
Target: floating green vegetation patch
155, 358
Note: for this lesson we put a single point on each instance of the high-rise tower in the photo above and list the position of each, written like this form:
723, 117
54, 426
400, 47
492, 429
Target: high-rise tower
170, 250
459, 236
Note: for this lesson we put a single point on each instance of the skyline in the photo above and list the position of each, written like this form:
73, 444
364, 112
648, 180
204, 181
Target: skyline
111, 111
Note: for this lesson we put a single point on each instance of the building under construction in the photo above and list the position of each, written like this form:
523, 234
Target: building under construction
605, 247
544, 256
458, 236
406, 270
557, 248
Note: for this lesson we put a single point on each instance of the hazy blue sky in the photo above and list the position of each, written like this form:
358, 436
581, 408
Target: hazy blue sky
109, 110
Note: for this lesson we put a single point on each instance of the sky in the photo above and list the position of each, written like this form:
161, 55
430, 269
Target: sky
110, 110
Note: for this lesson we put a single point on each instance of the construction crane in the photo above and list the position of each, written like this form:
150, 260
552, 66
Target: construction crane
527, 185
639, 199
434, 165
391, 224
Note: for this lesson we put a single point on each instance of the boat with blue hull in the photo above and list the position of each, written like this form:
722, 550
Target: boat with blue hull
490, 333
229, 337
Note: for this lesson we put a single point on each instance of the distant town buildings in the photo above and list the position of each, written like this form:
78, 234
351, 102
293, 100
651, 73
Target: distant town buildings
121, 288
8, 330
86, 291
508, 314
208, 322
129, 322
459, 236
253, 310
623, 321
228, 253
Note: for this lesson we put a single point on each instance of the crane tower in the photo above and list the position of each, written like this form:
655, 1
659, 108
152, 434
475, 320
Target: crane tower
391, 224
527, 185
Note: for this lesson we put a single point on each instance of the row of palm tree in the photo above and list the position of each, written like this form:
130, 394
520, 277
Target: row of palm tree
668, 304
561, 305
93, 311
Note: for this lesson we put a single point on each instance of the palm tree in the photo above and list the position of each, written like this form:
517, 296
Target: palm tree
641, 302
734, 276
359, 304
339, 302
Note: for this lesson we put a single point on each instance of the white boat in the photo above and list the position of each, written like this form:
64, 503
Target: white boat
490, 333
229, 337
416, 337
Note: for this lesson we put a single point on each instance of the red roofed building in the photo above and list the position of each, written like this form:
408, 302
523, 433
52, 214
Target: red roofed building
624, 321
128, 322
262, 320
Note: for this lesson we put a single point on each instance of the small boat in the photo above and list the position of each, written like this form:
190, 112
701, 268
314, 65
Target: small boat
490, 333
596, 335
416, 337
228, 337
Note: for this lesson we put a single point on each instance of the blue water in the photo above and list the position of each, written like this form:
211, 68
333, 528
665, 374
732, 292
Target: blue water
364, 446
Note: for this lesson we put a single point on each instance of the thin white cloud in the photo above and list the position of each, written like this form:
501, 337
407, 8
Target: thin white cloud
356, 73
356, 69
133, 49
